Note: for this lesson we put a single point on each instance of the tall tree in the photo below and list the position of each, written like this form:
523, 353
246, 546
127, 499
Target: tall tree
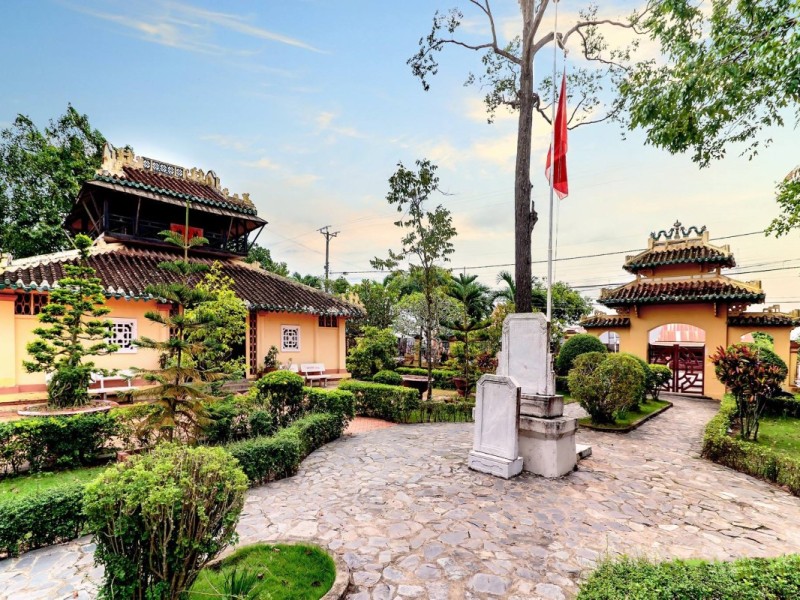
568, 304
427, 234
309, 280
41, 172
262, 256
508, 76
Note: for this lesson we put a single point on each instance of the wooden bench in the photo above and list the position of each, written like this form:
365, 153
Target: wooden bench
99, 382
312, 372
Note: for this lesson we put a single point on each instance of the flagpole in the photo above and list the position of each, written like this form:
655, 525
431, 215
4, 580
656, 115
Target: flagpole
552, 179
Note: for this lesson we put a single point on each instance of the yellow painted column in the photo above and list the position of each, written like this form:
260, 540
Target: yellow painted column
8, 344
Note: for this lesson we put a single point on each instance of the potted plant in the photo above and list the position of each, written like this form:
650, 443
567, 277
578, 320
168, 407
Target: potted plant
271, 360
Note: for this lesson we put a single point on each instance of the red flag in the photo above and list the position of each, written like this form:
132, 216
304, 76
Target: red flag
560, 184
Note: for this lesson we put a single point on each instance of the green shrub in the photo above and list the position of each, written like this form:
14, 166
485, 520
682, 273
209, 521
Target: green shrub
660, 375
606, 384
562, 384
388, 378
574, 347
339, 402
55, 442
442, 378
747, 456
389, 402
441, 412
641, 396
48, 517
158, 518
375, 351
268, 458
783, 405
745, 579
282, 392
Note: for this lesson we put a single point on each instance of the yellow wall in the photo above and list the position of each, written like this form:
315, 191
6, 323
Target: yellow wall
8, 349
317, 344
636, 338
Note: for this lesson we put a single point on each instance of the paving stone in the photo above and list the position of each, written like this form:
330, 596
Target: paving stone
488, 584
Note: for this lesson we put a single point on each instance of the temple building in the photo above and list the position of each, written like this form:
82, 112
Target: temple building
681, 308
130, 200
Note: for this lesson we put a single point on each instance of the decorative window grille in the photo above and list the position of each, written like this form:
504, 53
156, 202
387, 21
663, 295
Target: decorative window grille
29, 304
328, 321
123, 334
253, 342
290, 338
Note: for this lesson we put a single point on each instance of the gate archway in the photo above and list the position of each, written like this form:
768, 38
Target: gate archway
682, 348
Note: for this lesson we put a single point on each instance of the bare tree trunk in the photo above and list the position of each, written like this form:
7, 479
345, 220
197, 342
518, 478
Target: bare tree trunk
428, 343
524, 213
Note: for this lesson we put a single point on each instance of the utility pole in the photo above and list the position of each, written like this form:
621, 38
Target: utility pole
328, 235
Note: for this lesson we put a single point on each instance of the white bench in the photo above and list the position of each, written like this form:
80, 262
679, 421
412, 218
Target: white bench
314, 372
125, 377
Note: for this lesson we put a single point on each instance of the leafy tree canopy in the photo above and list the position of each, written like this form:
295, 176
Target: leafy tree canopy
262, 256
41, 173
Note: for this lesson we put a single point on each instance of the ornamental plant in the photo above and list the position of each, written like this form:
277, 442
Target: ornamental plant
661, 375
158, 518
282, 392
375, 351
753, 375
74, 331
606, 384
574, 347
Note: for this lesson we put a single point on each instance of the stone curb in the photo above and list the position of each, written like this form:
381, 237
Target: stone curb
340, 584
630, 427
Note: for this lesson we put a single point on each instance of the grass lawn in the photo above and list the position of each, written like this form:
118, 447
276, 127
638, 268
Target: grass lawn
782, 434
26, 485
629, 418
296, 572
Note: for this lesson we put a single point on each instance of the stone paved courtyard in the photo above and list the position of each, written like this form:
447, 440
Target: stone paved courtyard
401, 507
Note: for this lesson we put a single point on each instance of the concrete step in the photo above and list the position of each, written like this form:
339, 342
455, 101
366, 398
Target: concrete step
583, 450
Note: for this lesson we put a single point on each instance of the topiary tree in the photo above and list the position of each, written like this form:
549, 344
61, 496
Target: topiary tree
158, 518
585, 387
641, 397
752, 375
574, 347
606, 384
624, 378
75, 331
388, 377
660, 376
282, 392
375, 351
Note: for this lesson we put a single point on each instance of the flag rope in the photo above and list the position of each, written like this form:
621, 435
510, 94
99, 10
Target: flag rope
549, 305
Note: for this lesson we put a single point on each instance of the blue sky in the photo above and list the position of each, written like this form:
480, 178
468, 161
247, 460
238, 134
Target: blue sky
308, 105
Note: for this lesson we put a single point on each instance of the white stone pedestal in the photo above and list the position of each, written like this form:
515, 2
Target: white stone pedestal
494, 465
547, 445
495, 448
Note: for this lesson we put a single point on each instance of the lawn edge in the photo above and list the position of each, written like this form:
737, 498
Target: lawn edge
632, 426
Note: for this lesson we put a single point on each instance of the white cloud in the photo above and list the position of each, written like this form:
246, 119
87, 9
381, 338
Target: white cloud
325, 123
264, 163
229, 142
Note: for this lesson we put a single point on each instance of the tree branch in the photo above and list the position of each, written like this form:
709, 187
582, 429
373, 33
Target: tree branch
582, 24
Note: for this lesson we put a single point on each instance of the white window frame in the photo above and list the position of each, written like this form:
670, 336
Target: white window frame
133, 348
284, 329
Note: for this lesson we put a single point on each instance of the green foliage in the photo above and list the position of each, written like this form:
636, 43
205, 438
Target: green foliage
388, 377
48, 517
41, 173
337, 402
263, 257
381, 401
747, 456
660, 375
788, 198
606, 384
375, 351
744, 579
379, 303
783, 406
282, 393
647, 385
568, 304
235, 419
54, 442
265, 459
441, 412
764, 340
442, 378
562, 384
282, 572
752, 374
199, 492
427, 238
74, 331
309, 280
574, 347
271, 359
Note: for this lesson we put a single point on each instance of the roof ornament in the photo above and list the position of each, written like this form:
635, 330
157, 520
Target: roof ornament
677, 232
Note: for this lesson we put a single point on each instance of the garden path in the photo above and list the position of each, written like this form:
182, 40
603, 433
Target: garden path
401, 507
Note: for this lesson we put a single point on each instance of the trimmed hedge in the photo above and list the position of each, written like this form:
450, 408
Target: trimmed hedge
388, 377
55, 442
744, 579
442, 378
46, 518
783, 406
747, 457
441, 412
389, 402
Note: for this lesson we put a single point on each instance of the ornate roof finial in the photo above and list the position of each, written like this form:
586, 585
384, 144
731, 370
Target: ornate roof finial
677, 232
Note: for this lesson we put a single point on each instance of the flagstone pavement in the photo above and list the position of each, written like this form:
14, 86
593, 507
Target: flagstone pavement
402, 509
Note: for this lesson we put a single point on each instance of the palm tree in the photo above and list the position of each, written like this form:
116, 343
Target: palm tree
507, 294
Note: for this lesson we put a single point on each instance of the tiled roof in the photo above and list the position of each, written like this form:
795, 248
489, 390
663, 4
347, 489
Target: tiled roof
676, 292
672, 255
764, 320
598, 320
126, 272
177, 188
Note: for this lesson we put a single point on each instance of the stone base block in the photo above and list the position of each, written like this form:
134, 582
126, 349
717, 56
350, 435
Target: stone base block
583, 451
494, 465
547, 446
541, 406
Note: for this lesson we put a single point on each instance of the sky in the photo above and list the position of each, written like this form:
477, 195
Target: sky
309, 105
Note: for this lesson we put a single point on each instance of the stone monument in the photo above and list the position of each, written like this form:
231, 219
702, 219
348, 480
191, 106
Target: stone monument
546, 438
495, 449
